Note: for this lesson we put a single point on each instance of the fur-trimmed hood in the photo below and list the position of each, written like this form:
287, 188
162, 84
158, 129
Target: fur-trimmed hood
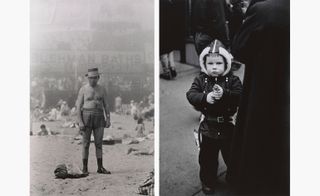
216, 47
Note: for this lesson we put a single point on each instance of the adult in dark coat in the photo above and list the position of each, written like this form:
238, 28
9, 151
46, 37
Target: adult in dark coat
172, 34
209, 22
172, 25
260, 157
236, 16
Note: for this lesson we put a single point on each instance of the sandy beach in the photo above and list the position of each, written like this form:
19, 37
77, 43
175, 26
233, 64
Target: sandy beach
128, 170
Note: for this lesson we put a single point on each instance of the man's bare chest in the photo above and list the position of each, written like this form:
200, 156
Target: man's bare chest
92, 94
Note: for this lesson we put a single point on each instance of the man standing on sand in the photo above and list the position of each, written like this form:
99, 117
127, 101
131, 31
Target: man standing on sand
93, 115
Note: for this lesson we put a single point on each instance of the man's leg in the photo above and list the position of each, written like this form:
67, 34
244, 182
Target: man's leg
85, 149
98, 136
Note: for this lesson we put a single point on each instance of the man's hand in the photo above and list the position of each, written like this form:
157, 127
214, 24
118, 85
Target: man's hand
210, 98
108, 124
82, 129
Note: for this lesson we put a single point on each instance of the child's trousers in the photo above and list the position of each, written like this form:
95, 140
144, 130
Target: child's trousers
208, 158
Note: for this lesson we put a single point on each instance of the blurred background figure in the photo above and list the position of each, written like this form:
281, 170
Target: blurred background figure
43, 130
209, 22
172, 34
237, 9
134, 110
118, 105
64, 109
37, 95
140, 128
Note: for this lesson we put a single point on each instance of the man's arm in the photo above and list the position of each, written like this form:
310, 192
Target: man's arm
106, 108
79, 104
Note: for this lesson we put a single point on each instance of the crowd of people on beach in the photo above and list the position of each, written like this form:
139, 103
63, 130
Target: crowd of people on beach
61, 112
47, 91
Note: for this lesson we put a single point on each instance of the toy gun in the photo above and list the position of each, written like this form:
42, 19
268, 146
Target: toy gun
216, 88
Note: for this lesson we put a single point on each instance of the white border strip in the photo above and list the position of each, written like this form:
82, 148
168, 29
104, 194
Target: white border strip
157, 95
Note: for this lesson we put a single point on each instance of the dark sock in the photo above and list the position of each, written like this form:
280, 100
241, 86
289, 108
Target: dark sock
85, 165
99, 162
101, 169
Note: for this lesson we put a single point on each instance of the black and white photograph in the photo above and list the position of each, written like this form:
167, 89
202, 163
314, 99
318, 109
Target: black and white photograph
224, 97
159, 97
91, 97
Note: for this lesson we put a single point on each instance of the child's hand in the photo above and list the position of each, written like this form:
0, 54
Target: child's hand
217, 91
210, 98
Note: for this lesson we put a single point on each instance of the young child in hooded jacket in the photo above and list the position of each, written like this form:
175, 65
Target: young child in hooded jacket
215, 92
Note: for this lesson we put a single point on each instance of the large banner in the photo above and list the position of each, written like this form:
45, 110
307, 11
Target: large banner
107, 61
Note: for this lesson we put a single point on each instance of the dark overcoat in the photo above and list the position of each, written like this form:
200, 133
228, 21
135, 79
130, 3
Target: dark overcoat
172, 25
260, 155
209, 17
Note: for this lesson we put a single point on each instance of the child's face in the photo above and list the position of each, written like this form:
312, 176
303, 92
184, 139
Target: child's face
215, 65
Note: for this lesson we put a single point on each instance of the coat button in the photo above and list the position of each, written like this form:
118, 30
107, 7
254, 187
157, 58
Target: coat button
218, 133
